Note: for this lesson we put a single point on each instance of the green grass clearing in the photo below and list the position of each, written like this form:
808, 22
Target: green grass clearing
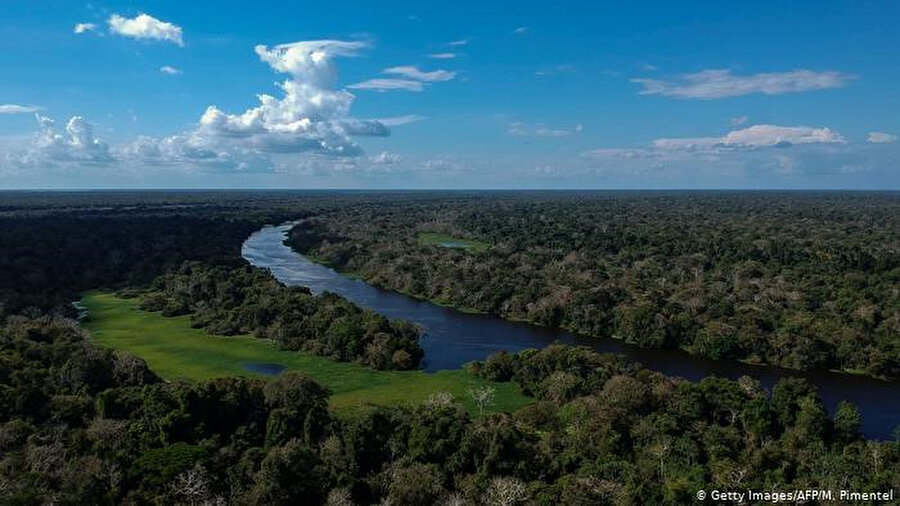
448, 241
175, 351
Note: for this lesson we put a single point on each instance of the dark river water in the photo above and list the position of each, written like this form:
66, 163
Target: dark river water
453, 338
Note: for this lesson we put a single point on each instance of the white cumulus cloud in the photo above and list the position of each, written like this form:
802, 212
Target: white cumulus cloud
443, 56
713, 84
146, 27
756, 136
382, 84
74, 144
411, 79
881, 138
756, 151
385, 158
84, 28
411, 72
190, 150
312, 116
168, 69
521, 129
401, 120
18, 109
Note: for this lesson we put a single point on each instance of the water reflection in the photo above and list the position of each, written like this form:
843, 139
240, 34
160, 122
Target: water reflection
267, 368
453, 338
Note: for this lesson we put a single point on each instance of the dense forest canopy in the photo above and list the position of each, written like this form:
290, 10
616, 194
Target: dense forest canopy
801, 280
46, 261
81, 424
249, 300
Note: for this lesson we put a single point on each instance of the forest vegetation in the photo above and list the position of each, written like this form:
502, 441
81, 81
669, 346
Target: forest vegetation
80, 424
248, 300
799, 280
85, 423
174, 350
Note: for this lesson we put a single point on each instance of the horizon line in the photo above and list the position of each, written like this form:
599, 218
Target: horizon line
251, 188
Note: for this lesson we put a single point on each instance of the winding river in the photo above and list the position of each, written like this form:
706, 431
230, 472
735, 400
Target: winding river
453, 338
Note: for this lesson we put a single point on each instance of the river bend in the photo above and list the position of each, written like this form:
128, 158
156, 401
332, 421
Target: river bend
453, 338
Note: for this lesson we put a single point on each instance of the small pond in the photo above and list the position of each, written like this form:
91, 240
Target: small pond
455, 244
267, 368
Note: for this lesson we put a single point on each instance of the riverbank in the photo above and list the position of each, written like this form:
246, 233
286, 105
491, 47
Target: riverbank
453, 338
176, 351
436, 240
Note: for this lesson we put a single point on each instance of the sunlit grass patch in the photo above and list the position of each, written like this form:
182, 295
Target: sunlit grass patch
175, 351
448, 241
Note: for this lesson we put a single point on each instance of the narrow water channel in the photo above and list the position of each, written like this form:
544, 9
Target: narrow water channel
453, 338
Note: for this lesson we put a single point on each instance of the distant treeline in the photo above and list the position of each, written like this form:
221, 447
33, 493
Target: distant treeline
80, 424
248, 300
54, 245
46, 261
801, 280
84, 425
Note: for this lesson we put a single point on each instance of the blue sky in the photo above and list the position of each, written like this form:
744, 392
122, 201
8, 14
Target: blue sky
450, 95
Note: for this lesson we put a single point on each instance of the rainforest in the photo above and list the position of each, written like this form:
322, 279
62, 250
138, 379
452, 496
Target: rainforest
145, 360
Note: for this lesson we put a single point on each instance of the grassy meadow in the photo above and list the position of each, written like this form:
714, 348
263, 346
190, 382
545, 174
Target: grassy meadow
448, 241
175, 351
